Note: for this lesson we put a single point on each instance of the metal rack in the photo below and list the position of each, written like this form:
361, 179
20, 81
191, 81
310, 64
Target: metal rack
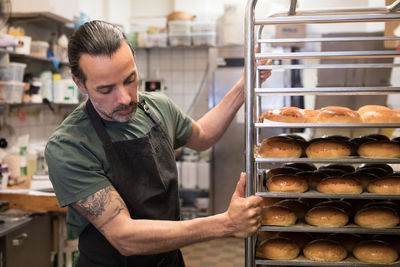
253, 30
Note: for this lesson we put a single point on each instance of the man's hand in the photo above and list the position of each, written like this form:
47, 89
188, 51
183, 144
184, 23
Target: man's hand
264, 74
243, 214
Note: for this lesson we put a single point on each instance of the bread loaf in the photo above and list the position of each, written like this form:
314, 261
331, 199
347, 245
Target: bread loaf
339, 185
278, 248
313, 178
335, 114
324, 250
287, 183
328, 149
297, 206
385, 185
377, 217
287, 114
326, 216
277, 215
374, 251
379, 149
280, 147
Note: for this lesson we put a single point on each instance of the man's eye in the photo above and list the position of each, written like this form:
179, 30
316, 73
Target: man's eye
130, 81
105, 91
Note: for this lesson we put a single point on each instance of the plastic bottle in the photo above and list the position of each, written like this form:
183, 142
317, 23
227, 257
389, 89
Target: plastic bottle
58, 92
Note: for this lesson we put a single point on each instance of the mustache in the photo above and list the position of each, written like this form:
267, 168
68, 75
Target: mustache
125, 107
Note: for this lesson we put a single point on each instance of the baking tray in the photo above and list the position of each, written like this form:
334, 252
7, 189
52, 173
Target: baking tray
303, 261
349, 228
347, 160
315, 194
325, 125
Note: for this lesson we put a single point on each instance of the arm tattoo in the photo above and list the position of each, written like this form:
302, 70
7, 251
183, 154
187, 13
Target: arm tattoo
101, 203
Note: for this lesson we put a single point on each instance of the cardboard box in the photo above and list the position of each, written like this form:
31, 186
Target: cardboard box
290, 31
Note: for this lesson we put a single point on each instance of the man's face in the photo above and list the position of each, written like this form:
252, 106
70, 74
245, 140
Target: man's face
111, 83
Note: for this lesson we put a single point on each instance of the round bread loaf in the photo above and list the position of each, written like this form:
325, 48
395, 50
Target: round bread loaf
324, 250
379, 116
341, 204
328, 149
379, 149
344, 167
384, 166
375, 251
348, 241
386, 185
367, 108
339, 185
278, 248
377, 217
277, 215
364, 178
297, 206
334, 114
310, 115
287, 114
300, 238
325, 216
280, 147
287, 183
313, 178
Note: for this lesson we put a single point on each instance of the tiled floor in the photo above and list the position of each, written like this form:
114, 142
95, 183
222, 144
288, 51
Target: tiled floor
226, 252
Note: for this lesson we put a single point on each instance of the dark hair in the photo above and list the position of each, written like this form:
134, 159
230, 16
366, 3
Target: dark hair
95, 38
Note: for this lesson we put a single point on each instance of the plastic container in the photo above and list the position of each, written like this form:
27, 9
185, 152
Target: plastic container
203, 26
179, 26
157, 40
11, 91
180, 39
204, 38
13, 72
39, 48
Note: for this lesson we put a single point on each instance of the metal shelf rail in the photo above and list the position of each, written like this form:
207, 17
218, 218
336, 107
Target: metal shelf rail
253, 30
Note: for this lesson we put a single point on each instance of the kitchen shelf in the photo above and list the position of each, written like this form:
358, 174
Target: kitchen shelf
315, 194
26, 58
328, 91
325, 125
329, 66
348, 160
350, 228
43, 20
330, 55
303, 261
328, 39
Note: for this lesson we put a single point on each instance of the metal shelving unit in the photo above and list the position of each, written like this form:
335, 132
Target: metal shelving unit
253, 38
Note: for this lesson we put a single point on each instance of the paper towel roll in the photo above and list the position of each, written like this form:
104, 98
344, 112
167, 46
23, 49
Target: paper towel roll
203, 175
189, 175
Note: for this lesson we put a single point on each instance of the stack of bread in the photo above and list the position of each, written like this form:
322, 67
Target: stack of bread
333, 114
330, 146
376, 178
325, 247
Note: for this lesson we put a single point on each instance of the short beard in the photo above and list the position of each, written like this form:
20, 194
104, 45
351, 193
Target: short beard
113, 115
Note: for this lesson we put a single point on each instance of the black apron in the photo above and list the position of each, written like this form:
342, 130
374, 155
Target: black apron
145, 175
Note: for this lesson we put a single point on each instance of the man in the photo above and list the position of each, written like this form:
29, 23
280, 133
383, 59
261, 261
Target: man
111, 161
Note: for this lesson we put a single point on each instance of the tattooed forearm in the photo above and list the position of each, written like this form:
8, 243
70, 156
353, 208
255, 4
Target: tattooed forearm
94, 205
118, 206
101, 207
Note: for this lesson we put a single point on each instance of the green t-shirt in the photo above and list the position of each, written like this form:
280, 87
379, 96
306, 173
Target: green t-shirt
77, 162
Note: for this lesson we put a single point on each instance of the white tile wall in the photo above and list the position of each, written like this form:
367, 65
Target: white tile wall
181, 68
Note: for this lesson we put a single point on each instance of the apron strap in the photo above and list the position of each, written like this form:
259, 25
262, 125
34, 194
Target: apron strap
98, 124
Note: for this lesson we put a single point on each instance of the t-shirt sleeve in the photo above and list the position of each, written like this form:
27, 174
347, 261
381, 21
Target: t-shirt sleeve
182, 123
74, 170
